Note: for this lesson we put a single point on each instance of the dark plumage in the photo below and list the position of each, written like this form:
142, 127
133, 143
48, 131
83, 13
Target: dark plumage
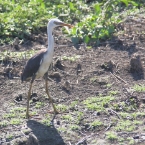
32, 65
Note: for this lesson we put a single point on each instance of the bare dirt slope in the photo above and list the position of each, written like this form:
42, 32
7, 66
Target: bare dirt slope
91, 87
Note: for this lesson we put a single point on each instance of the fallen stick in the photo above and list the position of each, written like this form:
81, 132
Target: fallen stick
119, 78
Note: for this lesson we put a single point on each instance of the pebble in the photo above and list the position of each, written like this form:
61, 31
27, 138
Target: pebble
136, 137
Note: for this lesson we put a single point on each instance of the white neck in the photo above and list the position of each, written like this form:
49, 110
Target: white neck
50, 48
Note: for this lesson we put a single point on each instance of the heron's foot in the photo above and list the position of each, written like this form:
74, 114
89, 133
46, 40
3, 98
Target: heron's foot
28, 115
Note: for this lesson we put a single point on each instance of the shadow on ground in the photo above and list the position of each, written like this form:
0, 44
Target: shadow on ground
43, 135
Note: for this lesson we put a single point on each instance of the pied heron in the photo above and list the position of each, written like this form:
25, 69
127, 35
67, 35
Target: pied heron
37, 66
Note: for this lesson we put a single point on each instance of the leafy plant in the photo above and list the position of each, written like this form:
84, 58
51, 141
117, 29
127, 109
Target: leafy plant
71, 58
39, 105
4, 123
95, 20
97, 124
67, 117
139, 88
111, 136
62, 107
15, 121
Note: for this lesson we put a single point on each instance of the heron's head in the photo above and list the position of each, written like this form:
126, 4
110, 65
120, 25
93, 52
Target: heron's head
56, 22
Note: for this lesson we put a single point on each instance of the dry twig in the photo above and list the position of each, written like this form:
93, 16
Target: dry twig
114, 112
119, 78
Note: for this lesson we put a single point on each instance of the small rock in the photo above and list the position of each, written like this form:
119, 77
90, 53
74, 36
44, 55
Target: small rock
143, 137
136, 64
34, 97
136, 137
58, 64
58, 122
97, 113
142, 134
79, 67
67, 85
108, 66
19, 98
55, 75
32, 140
143, 100
87, 126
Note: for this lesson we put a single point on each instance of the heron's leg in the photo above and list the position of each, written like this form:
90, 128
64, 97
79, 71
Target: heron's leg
47, 92
29, 95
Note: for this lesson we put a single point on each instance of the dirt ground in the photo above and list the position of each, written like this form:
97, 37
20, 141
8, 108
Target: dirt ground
77, 74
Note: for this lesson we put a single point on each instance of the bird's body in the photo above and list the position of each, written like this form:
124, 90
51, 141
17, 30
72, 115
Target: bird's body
33, 66
38, 65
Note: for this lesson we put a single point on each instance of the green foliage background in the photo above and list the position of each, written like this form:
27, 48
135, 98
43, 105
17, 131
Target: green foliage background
93, 20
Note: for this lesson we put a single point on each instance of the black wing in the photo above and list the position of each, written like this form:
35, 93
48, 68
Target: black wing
32, 65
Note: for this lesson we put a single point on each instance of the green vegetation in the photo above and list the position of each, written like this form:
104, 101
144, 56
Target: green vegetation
15, 121
97, 124
62, 107
125, 126
9, 115
4, 123
77, 119
74, 127
67, 117
108, 85
71, 58
39, 105
80, 116
111, 136
139, 88
98, 103
73, 104
46, 121
7, 56
95, 20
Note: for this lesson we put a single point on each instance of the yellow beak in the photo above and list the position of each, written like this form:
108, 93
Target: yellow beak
63, 24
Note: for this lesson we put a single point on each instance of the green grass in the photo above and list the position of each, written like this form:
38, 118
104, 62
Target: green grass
113, 93
125, 125
73, 104
46, 121
111, 136
74, 127
4, 123
108, 85
9, 115
9, 136
62, 107
67, 117
15, 56
139, 88
18, 109
77, 119
33, 15
70, 58
97, 125
98, 103
39, 105
15, 121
